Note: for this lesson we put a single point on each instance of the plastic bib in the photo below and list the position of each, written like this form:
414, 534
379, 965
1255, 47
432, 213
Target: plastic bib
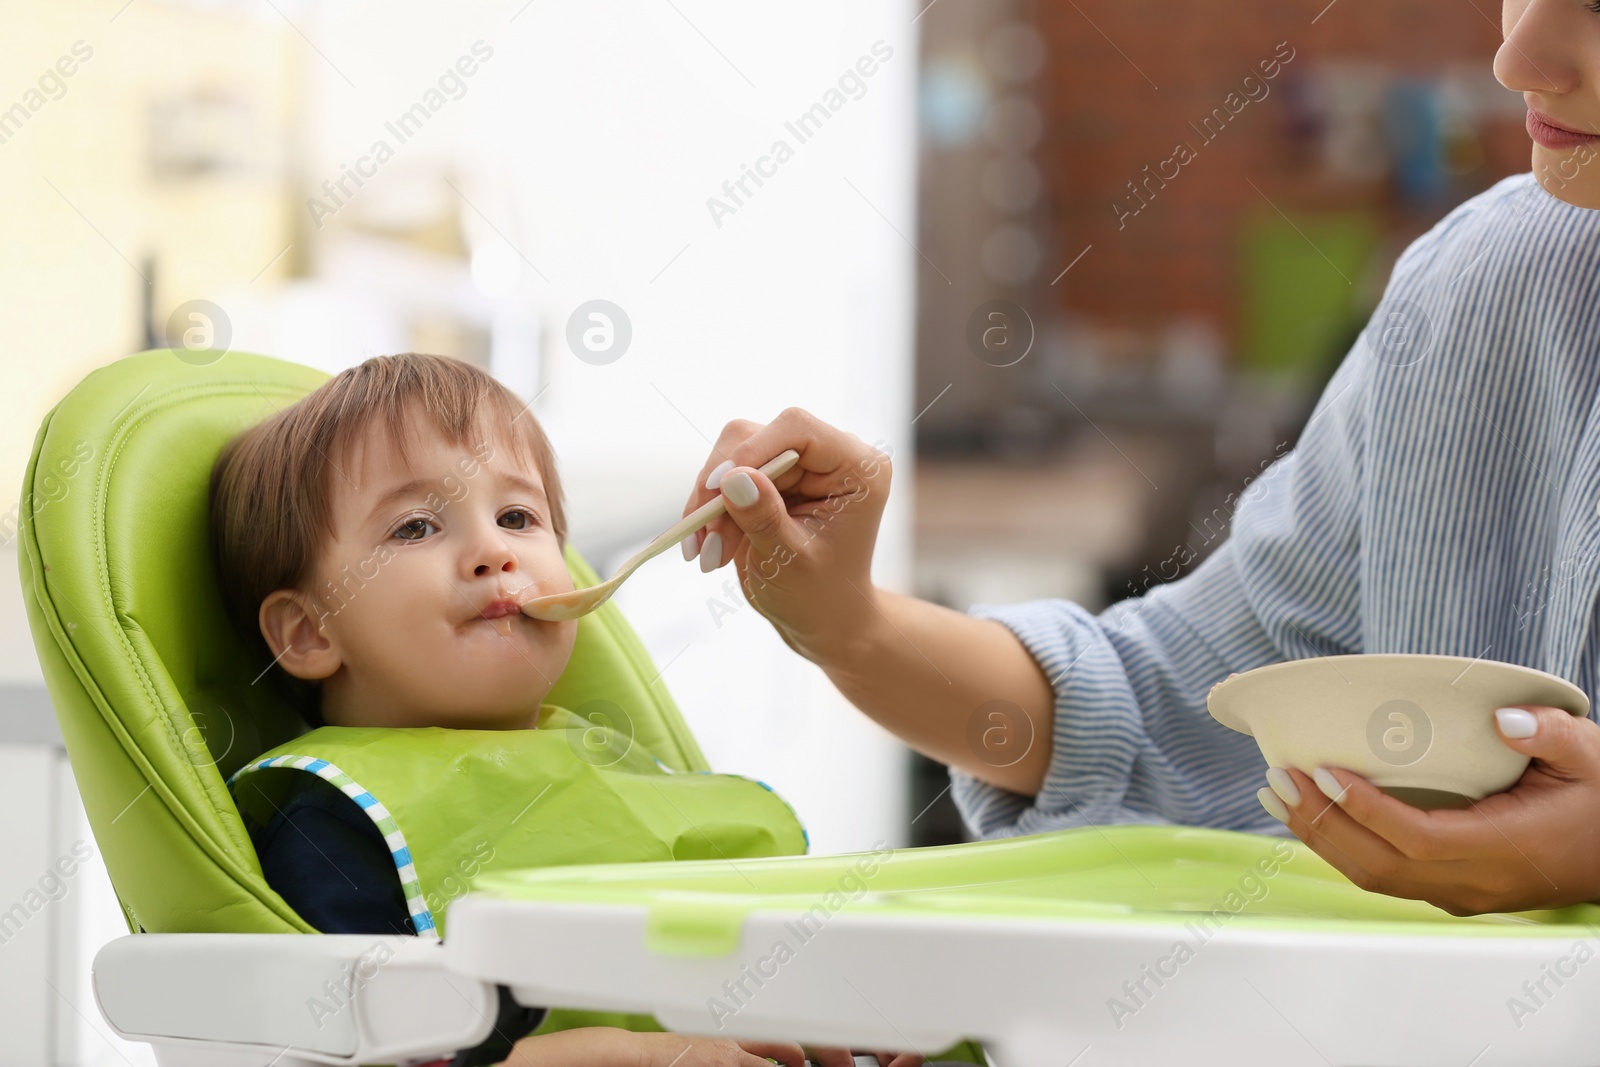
453, 803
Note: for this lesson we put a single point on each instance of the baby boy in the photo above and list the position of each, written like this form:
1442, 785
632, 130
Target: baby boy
374, 542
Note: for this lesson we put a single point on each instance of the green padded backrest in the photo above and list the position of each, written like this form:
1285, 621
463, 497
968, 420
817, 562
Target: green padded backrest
154, 691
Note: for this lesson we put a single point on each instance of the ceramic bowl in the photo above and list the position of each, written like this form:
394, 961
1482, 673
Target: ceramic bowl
1419, 727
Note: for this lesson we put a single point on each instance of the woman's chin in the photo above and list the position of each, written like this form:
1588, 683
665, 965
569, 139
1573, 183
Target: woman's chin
1571, 175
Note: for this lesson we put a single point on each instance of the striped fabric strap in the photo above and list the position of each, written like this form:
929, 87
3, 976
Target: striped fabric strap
421, 916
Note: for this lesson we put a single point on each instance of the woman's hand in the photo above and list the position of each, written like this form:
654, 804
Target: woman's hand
612, 1046
933, 676
803, 545
843, 1057
682, 1050
1537, 845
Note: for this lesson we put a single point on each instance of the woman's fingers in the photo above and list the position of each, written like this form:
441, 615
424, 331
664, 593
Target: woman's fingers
802, 543
1532, 846
787, 1053
1570, 746
732, 434
887, 1058
761, 515
830, 462
1415, 834
1451, 847
827, 453
830, 1056
1567, 745
1360, 855
1215, 684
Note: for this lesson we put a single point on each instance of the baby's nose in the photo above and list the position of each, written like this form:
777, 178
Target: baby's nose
505, 563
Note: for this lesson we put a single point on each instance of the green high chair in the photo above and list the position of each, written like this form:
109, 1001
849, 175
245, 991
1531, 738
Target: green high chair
1094, 946
158, 705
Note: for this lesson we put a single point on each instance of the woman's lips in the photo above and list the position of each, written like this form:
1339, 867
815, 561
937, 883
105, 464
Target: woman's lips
1547, 133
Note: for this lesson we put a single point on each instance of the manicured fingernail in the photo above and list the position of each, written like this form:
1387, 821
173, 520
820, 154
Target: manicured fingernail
1274, 806
714, 479
1516, 722
711, 552
740, 489
1328, 784
1284, 786
691, 545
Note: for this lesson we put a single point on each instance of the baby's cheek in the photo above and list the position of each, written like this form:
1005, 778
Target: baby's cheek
551, 574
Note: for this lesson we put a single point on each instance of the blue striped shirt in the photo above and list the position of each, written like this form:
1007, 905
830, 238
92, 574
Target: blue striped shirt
1443, 497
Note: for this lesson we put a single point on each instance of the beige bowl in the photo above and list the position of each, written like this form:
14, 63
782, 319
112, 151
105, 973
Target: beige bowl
1419, 727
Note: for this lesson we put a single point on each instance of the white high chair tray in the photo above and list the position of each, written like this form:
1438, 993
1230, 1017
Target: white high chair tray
1095, 946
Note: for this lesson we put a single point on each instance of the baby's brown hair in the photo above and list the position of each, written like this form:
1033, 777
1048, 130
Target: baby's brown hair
271, 487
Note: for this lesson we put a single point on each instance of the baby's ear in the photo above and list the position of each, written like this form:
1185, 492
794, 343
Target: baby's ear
294, 634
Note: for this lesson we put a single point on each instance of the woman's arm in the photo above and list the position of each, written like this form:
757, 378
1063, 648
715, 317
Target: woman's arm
960, 690
1056, 716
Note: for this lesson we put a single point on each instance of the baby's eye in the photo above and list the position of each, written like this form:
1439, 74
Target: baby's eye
529, 519
401, 531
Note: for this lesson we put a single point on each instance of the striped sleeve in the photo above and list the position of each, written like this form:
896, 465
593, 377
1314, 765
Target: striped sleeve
1132, 739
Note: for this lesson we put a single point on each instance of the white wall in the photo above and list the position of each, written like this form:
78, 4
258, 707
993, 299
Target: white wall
587, 147
589, 142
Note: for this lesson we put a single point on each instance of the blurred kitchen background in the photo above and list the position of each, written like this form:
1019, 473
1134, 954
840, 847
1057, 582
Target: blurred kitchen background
1083, 266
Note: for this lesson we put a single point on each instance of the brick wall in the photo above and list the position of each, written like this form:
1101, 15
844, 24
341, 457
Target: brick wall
1125, 79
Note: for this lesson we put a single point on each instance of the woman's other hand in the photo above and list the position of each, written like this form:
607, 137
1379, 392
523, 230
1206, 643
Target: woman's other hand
1537, 845
682, 1050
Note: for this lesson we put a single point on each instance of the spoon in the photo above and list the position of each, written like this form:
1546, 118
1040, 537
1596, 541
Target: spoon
564, 607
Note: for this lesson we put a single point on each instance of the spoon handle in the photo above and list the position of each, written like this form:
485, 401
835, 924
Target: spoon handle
704, 514
564, 607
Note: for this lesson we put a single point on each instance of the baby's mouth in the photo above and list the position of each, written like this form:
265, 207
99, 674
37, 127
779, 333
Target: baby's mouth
506, 627
501, 607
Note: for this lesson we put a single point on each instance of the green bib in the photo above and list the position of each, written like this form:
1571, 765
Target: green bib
452, 803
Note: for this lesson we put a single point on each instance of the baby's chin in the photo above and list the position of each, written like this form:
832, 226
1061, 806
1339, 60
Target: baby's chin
517, 718
493, 704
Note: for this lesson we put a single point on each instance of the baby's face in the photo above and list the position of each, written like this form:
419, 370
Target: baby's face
418, 555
